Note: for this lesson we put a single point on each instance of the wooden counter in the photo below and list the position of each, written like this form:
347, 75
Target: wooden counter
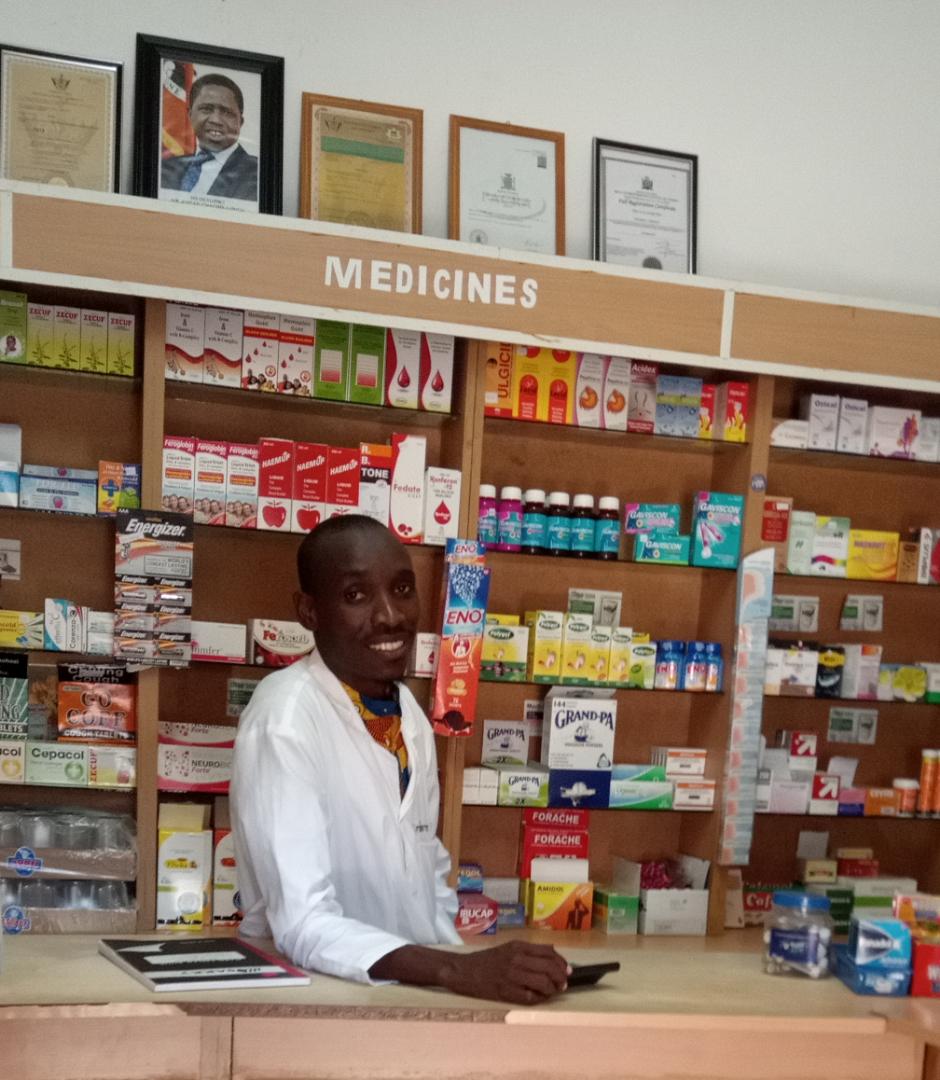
679, 1007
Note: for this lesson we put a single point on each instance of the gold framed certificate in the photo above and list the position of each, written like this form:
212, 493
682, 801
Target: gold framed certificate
507, 186
60, 119
361, 163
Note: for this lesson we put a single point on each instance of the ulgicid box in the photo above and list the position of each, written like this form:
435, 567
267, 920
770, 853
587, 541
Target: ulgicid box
578, 729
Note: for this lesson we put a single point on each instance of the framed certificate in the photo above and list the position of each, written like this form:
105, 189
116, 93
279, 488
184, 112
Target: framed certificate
507, 186
644, 206
361, 163
208, 125
60, 119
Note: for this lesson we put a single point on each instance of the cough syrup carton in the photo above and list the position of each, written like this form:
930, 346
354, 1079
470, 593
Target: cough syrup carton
406, 504
375, 481
121, 343
342, 481
275, 484
242, 472
13, 328
616, 394
309, 499
40, 326
366, 384
331, 361
295, 355
441, 504
436, 373
545, 645
731, 411
402, 368
467, 585
211, 474
578, 733
222, 365
498, 391
179, 474
67, 342
260, 345
184, 866
590, 403
185, 342
641, 412
94, 346
717, 520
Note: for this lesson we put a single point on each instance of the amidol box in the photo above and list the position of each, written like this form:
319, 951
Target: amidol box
210, 486
616, 394
406, 501
441, 504
56, 765
578, 733
275, 484
67, 338
589, 402
375, 481
194, 768
261, 334
40, 327
641, 411
498, 392
295, 355
243, 467
402, 368
179, 474
331, 361
505, 742
436, 373
220, 643
185, 342
121, 343
93, 354
556, 905
342, 480
224, 339
277, 642
366, 384
309, 498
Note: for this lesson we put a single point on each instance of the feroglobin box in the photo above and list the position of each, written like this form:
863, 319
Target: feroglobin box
641, 411
589, 390
375, 481
67, 340
120, 343
94, 348
366, 385
179, 474
261, 335
241, 485
402, 368
331, 361
295, 355
436, 373
498, 393
342, 481
222, 364
185, 342
406, 501
211, 475
441, 504
308, 506
275, 484
616, 394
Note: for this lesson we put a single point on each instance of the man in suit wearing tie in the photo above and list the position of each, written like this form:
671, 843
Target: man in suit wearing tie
221, 165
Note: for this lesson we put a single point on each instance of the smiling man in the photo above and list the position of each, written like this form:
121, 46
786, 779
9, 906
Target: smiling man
221, 166
335, 795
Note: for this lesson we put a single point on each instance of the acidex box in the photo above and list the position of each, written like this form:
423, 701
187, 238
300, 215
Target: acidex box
578, 732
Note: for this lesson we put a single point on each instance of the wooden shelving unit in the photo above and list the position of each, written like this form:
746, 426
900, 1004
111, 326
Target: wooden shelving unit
124, 254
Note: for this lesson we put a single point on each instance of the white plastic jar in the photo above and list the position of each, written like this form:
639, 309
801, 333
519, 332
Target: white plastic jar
797, 935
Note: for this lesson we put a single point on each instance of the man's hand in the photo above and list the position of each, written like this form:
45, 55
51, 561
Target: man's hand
516, 972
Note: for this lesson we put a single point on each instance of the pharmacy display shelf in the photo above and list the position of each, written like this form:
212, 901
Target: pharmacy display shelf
69, 787
18, 796
59, 515
233, 530
601, 809
119, 385
611, 566
831, 459
848, 585
860, 703
892, 818
595, 686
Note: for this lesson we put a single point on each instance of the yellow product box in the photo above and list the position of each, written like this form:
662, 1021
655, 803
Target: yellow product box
618, 669
559, 905
184, 866
495, 619
545, 639
120, 344
873, 556
40, 335
642, 665
543, 384
599, 654
505, 653
110, 482
575, 650
909, 683
21, 629
93, 355
527, 378
67, 340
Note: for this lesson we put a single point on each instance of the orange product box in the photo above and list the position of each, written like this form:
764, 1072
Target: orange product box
880, 802
110, 482
498, 392
554, 905
97, 703
543, 383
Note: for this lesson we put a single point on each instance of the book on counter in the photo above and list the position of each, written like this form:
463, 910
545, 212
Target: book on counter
218, 963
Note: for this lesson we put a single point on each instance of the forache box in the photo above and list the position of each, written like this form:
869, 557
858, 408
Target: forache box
222, 365
553, 843
498, 393
260, 344
331, 361
342, 481
211, 473
402, 368
275, 484
579, 732
406, 504
366, 384
295, 355
185, 342
241, 485
277, 643
375, 481
641, 412
308, 506
436, 373
179, 474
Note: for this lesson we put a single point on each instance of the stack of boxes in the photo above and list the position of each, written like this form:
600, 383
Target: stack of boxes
715, 539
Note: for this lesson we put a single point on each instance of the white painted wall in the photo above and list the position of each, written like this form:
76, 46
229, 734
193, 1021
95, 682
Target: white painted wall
816, 122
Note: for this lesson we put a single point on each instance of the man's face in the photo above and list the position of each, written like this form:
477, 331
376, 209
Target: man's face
365, 612
215, 118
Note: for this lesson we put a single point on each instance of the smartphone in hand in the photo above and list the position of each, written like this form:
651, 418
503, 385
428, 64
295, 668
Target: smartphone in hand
588, 974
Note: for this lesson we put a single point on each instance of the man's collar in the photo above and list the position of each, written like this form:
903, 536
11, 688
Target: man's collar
221, 156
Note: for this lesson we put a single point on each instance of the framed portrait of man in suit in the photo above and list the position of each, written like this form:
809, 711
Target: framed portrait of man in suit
208, 126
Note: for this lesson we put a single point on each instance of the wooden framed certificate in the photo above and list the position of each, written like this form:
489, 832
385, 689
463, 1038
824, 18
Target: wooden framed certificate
645, 207
361, 163
60, 119
507, 186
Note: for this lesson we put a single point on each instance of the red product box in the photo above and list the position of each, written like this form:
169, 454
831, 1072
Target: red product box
858, 868
308, 506
803, 744
926, 981
342, 481
476, 914
555, 818
275, 484
641, 410
544, 842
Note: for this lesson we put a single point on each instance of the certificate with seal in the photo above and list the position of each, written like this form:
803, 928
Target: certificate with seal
60, 119
644, 207
507, 186
361, 163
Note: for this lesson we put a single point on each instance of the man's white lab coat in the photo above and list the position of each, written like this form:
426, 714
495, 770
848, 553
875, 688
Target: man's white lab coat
330, 857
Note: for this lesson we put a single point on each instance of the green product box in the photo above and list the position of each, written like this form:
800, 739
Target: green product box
668, 549
40, 333
94, 348
505, 653
522, 785
56, 764
366, 384
331, 360
13, 327
120, 344
614, 912
67, 340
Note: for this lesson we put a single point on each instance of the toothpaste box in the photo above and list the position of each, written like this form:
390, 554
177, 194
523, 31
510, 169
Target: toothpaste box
275, 484
224, 332
872, 556
801, 541
821, 411
651, 517
375, 481
342, 480
67, 340
331, 361
578, 732
260, 346
402, 368
296, 339
498, 392
366, 385
505, 653
717, 521
505, 742
309, 498
775, 528
185, 342
441, 504
179, 474
13, 761
56, 765
893, 432
576, 646
221, 643
589, 390
40, 334
65, 626
226, 909
436, 373
545, 644
406, 499
853, 422
641, 410
661, 547
556, 905
211, 476
731, 411
94, 342
194, 768
523, 785
706, 412
616, 395
277, 642
121, 343
830, 551
242, 471
678, 400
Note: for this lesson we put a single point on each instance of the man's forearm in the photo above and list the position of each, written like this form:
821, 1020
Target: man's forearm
416, 965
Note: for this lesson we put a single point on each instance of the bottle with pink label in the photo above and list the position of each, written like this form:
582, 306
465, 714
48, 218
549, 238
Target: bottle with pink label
509, 519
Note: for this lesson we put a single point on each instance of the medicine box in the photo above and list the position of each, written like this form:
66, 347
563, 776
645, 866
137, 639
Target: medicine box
603, 607
872, 556
556, 905
505, 742
40, 333
821, 411
275, 484
225, 896
21, 629
242, 474
194, 768
523, 785
406, 499
853, 422
276, 642
927, 447
549, 842
731, 411
112, 766
121, 343
308, 487
375, 477
65, 491
67, 339
545, 644
403, 368
775, 528
13, 327
366, 383
436, 373
331, 361
589, 390
651, 517
427, 649
615, 912
476, 914
640, 787
210, 482
830, 551
576, 643
790, 434
184, 866
93, 356
616, 396
12, 761
678, 399
56, 765
893, 432
222, 365
578, 732
179, 474
680, 760
498, 393
560, 372
642, 665
260, 338
296, 340
14, 695
588, 788
505, 653
185, 342
65, 626
221, 643
663, 548
441, 504
673, 911
716, 529
599, 655
641, 410
693, 795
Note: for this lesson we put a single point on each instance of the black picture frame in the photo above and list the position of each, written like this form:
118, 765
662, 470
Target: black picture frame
646, 159
265, 74
112, 67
